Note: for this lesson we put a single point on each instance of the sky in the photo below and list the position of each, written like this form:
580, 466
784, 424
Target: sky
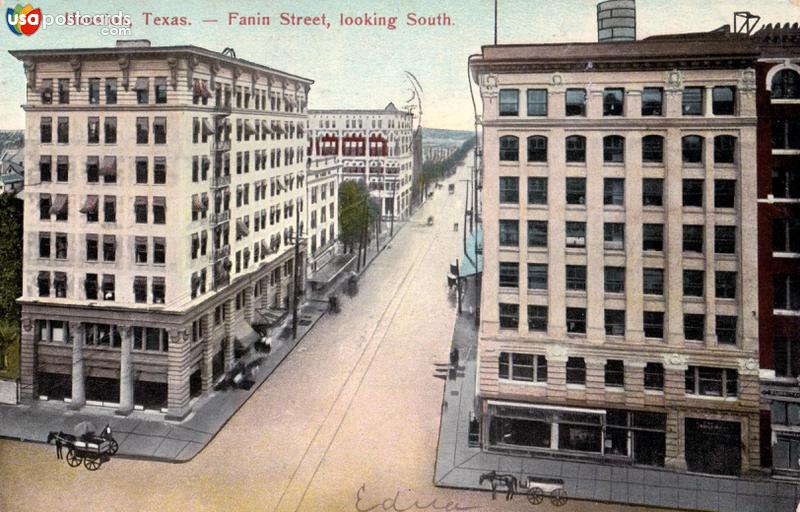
364, 67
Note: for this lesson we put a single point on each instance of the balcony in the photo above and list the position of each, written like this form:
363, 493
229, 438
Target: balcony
220, 146
223, 180
220, 217
218, 254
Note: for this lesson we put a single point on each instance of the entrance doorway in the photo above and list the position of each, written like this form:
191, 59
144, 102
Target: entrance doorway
713, 447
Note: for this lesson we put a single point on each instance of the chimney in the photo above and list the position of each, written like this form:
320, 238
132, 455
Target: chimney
616, 20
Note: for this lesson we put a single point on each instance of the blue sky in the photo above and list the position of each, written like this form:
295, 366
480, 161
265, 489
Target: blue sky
356, 67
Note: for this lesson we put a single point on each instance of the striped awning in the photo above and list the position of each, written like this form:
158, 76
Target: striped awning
109, 167
90, 206
241, 228
60, 204
207, 128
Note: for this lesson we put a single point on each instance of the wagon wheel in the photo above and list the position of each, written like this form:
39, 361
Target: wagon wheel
113, 446
535, 495
558, 497
92, 464
72, 459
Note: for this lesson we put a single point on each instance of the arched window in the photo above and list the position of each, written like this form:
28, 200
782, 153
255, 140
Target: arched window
653, 148
614, 149
537, 148
509, 148
576, 148
692, 149
786, 85
724, 149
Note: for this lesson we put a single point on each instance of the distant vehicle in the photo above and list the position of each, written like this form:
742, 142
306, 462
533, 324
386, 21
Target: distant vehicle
451, 188
430, 220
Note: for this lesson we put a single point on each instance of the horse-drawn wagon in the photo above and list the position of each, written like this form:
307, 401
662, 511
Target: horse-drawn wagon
84, 446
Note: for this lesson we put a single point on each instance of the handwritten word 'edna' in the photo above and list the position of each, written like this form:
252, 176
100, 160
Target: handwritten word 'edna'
399, 503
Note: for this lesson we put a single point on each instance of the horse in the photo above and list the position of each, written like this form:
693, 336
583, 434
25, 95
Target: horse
510, 481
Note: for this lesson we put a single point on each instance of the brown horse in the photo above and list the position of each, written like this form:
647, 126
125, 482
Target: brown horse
495, 478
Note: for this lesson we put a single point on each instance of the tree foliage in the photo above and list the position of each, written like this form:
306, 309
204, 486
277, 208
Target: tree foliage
433, 171
10, 257
356, 212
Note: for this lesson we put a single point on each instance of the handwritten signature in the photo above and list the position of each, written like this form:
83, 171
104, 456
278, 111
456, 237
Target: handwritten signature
395, 503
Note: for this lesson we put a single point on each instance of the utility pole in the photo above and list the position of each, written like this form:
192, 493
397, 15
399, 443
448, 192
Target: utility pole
366, 229
394, 208
296, 287
458, 286
495, 22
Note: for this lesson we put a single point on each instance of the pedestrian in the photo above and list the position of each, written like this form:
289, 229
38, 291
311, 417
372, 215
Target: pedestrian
58, 449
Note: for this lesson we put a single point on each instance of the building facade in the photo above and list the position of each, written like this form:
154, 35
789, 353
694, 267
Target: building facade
778, 80
148, 249
323, 175
375, 146
619, 292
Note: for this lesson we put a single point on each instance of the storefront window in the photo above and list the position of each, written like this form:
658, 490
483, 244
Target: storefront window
786, 453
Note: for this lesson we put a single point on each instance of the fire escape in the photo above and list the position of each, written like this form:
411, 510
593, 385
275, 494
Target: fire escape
220, 190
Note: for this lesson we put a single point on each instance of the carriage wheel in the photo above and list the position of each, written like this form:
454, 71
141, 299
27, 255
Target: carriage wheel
535, 495
558, 497
113, 447
73, 459
91, 464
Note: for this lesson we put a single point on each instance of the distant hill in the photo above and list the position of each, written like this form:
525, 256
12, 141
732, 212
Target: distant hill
440, 137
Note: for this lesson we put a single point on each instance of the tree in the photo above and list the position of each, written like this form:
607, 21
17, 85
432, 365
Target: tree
9, 336
10, 271
353, 216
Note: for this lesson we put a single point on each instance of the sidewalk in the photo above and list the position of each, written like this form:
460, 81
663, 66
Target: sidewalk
459, 466
146, 435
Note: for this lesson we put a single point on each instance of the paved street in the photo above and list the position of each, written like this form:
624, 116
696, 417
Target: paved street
353, 411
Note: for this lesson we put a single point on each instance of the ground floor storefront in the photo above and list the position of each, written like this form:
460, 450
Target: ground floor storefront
781, 428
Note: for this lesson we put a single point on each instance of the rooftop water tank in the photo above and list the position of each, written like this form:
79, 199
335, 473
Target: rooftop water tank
616, 20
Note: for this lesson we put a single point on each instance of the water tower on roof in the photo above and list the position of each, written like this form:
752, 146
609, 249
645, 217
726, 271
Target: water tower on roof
616, 20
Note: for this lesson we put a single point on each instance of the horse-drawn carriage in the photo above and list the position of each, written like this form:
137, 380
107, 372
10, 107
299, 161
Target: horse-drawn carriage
85, 446
535, 488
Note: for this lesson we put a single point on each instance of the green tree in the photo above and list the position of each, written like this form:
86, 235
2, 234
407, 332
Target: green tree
10, 272
9, 337
354, 213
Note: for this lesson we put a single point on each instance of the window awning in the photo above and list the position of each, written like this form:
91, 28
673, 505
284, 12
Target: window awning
241, 228
90, 206
248, 128
244, 334
198, 204
45, 159
59, 205
197, 88
279, 129
263, 246
142, 84
160, 201
472, 261
207, 128
109, 167
204, 92
265, 127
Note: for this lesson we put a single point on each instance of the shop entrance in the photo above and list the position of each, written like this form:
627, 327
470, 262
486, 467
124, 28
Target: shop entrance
713, 447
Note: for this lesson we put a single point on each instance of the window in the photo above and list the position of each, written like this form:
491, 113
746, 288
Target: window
109, 209
93, 130
94, 91
60, 284
726, 330
576, 234
693, 193
613, 149
723, 101
693, 283
509, 316
43, 284
725, 284
693, 101
537, 318
613, 101
91, 247
654, 376
653, 237
509, 189
652, 101
576, 277
537, 148
724, 193
692, 238
576, 102
724, 149
653, 149
110, 128
694, 327
159, 290
653, 281
785, 134
142, 90
786, 184
62, 169
46, 130
63, 90
537, 102
159, 210
142, 130
725, 239
63, 130
786, 85
576, 320
509, 102
652, 192
159, 170
161, 89
614, 236
523, 367
615, 322
509, 233
614, 191
614, 279
786, 292
160, 130
90, 286
108, 287
111, 91
140, 289
61, 246
537, 276
509, 274
109, 248
159, 250
786, 353
576, 148
509, 148
45, 168
47, 91
140, 209
576, 371
653, 322
615, 373
537, 233
537, 190
786, 235
140, 249
692, 147
708, 381
576, 190
45, 203
44, 245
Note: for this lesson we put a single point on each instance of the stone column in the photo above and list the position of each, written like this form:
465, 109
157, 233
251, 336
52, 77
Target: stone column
675, 366
229, 352
76, 334
207, 364
28, 360
248, 304
178, 373
126, 372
